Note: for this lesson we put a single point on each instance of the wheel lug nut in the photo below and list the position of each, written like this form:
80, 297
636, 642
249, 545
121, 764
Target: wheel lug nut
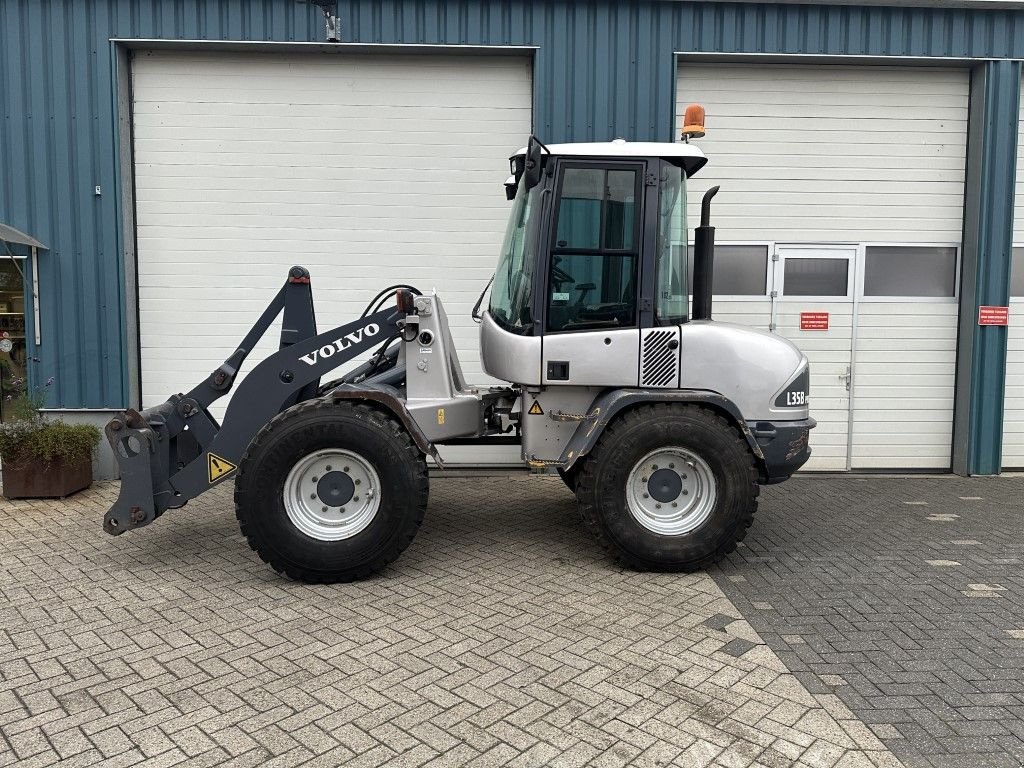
657, 506
686, 493
359, 482
312, 495
355, 498
315, 478
328, 467
323, 509
671, 466
673, 504
346, 469
342, 510
643, 479
646, 496
654, 466
684, 476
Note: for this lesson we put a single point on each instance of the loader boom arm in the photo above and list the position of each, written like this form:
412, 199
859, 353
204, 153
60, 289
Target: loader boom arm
174, 452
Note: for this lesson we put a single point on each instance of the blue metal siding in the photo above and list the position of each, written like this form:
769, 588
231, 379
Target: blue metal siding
988, 240
603, 69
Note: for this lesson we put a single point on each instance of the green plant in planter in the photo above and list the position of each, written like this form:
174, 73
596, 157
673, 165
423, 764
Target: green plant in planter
39, 440
44, 457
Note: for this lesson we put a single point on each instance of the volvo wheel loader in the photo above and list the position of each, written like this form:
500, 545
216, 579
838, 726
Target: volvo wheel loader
662, 422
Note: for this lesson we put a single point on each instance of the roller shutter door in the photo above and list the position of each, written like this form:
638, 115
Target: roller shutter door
1013, 411
367, 169
864, 165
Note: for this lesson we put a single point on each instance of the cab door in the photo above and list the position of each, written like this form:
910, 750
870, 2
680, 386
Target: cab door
591, 286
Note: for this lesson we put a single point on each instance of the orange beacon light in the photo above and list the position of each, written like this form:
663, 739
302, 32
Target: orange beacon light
693, 122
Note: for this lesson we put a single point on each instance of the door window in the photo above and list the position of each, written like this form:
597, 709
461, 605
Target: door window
592, 282
813, 276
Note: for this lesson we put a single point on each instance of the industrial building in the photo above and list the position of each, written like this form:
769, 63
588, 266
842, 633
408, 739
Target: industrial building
172, 160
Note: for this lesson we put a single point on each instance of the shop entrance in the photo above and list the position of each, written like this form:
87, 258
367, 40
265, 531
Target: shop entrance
13, 349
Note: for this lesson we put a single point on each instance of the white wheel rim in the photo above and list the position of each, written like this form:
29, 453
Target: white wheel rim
332, 494
671, 491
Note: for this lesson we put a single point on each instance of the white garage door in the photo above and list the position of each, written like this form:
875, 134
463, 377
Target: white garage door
367, 169
851, 179
1013, 410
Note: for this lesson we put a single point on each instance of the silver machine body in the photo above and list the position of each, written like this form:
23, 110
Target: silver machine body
745, 369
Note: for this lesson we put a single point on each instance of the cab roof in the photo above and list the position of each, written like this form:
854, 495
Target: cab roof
690, 157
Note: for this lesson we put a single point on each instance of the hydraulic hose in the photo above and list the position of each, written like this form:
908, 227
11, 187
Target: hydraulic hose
377, 301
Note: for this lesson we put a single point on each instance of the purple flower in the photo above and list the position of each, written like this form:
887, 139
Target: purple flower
17, 382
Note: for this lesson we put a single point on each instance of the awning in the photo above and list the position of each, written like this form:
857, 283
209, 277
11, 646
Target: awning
11, 235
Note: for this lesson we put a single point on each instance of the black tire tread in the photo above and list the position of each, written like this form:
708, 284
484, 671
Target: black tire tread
586, 479
361, 410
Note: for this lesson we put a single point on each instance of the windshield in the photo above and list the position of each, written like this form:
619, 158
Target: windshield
672, 252
512, 293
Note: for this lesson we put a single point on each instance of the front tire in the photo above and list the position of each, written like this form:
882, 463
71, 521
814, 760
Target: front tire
331, 492
669, 487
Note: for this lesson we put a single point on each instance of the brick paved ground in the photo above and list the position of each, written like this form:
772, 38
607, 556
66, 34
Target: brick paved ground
502, 636
905, 598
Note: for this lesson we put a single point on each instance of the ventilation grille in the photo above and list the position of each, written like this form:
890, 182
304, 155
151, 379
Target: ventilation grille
658, 365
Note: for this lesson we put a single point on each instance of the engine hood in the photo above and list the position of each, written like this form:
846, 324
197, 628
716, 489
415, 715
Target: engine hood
749, 367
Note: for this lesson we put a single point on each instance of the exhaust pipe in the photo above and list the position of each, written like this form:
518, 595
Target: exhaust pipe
704, 259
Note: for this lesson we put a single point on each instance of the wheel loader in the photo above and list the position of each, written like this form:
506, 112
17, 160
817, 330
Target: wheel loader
662, 422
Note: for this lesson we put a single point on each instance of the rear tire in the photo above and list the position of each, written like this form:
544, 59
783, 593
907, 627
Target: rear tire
331, 492
653, 517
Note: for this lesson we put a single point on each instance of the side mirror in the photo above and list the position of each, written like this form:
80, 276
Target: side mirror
534, 163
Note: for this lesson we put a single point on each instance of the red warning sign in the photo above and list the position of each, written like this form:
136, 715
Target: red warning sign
814, 321
993, 315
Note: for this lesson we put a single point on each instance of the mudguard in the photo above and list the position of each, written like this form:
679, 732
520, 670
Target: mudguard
611, 403
391, 399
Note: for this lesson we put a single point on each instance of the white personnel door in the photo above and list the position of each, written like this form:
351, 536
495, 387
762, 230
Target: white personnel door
814, 309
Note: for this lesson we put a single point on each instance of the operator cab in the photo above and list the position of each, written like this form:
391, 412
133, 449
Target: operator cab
595, 251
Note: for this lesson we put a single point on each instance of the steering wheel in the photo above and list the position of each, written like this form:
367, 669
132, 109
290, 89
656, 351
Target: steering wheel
559, 276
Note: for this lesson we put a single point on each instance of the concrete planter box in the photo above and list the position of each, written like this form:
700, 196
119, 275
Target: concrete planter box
52, 480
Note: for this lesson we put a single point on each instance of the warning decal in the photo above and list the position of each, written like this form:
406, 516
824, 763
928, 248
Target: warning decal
814, 321
987, 316
218, 466
535, 409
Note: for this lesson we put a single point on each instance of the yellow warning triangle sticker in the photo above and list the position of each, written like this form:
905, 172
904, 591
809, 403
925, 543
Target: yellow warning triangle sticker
218, 466
535, 409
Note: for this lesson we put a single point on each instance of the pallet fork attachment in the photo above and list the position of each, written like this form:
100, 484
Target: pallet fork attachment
173, 452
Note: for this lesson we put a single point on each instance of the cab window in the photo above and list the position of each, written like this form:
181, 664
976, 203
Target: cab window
592, 280
512, 293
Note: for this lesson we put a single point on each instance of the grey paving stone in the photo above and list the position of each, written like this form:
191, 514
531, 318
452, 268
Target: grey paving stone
719, 621
927, 663
738, 646
504, 635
